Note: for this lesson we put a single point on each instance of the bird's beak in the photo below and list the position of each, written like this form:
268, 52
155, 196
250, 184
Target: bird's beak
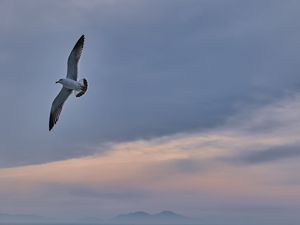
56, 82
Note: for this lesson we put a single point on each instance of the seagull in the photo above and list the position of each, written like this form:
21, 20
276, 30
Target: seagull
69, 83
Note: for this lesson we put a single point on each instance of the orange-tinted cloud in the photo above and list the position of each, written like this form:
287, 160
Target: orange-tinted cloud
180, 169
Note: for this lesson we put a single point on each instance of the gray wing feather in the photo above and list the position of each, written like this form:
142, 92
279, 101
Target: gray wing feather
57, 106
74, 58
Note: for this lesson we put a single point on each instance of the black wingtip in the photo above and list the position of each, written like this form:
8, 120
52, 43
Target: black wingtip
81, 39
80, 42
51, 123
84, 88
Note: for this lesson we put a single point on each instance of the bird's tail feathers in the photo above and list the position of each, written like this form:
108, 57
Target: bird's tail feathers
84, 87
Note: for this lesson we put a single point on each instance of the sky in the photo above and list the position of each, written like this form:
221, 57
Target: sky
193, 106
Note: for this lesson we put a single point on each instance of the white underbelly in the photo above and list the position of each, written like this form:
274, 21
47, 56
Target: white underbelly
72, 84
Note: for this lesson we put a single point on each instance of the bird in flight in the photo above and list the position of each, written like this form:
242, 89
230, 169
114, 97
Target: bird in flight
69, 83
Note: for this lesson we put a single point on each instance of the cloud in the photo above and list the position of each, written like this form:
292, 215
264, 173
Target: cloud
186, 171
155, 69
95, 192
269, 155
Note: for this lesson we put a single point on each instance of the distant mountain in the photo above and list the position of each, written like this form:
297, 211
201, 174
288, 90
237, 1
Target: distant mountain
169, 214
134, 216
140, 217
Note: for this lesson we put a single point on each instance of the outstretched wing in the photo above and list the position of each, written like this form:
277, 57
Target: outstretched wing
57, 106
74, 58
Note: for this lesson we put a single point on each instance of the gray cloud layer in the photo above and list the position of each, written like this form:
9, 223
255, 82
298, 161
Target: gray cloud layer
154, 68
269, 155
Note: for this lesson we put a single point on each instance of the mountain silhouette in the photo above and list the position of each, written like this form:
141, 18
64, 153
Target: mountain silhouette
140, 217
134, 216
